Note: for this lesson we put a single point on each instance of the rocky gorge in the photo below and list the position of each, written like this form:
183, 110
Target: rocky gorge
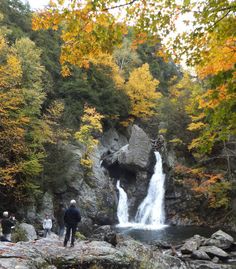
129, 157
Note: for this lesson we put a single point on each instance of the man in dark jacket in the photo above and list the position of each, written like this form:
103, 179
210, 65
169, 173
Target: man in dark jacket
7, 225
72, 217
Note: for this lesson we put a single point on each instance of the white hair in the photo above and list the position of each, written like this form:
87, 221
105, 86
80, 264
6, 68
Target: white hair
5, 213
72, 202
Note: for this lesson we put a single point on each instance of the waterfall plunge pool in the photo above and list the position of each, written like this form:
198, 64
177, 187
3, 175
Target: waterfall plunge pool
170, 234
149, 223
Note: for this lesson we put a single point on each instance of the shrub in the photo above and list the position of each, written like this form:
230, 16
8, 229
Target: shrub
19, 234
79, 236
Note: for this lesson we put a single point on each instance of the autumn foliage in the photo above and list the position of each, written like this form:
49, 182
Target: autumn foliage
90, 126
23, 130
86, 33
213, 187
141, 89
212, 111
102, 49
13, 122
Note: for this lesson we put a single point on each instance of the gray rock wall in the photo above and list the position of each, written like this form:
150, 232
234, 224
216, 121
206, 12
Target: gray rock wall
128, 159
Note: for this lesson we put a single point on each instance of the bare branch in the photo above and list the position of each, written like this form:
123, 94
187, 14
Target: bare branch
220, 19
118, 6
230, 8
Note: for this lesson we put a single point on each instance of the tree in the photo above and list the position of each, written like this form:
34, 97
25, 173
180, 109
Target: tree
126, 57
174, 116
213, 187
86, 32
162, 69
53, 130
12, 121
90, 125
100, 86
89, 28
141, 89
30, 57
22, 135
213, 113
16, 19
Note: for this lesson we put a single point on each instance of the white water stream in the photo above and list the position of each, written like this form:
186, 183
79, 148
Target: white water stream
150, 213
122, 210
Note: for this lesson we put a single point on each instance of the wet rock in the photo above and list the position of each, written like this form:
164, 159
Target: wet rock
223, 239
111, 238
105, 233
215, 251
190, 246
220, 235
101, 231
199, 264
200, 255
102, 219
218, 243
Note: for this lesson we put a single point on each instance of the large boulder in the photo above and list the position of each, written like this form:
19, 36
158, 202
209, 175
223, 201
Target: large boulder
223, 239
190, 245
136, 155
29, 231
132, 164
133, 155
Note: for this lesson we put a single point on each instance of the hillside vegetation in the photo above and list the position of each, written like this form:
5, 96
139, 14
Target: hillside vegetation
67, 73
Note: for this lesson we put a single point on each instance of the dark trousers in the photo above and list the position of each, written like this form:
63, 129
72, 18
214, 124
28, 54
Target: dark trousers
70, 231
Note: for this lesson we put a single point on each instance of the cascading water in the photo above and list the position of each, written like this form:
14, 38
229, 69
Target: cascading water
122, 211
151, 210
150, 213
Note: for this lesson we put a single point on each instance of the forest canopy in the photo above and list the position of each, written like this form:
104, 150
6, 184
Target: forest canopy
120, 61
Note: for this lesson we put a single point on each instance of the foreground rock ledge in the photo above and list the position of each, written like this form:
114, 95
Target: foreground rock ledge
50, 254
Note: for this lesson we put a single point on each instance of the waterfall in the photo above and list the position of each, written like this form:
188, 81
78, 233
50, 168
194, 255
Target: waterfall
151, 212
122, 211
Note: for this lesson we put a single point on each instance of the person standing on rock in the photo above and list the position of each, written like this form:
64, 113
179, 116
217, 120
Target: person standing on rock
72, 217
47, 226
7, 226
60, 213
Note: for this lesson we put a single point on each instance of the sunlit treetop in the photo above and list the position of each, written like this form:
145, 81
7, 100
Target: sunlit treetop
91, 27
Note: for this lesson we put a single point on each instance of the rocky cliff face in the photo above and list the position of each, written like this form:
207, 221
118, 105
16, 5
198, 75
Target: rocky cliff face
128, 158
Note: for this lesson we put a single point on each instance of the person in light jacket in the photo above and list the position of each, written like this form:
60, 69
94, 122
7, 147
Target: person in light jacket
47, 226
